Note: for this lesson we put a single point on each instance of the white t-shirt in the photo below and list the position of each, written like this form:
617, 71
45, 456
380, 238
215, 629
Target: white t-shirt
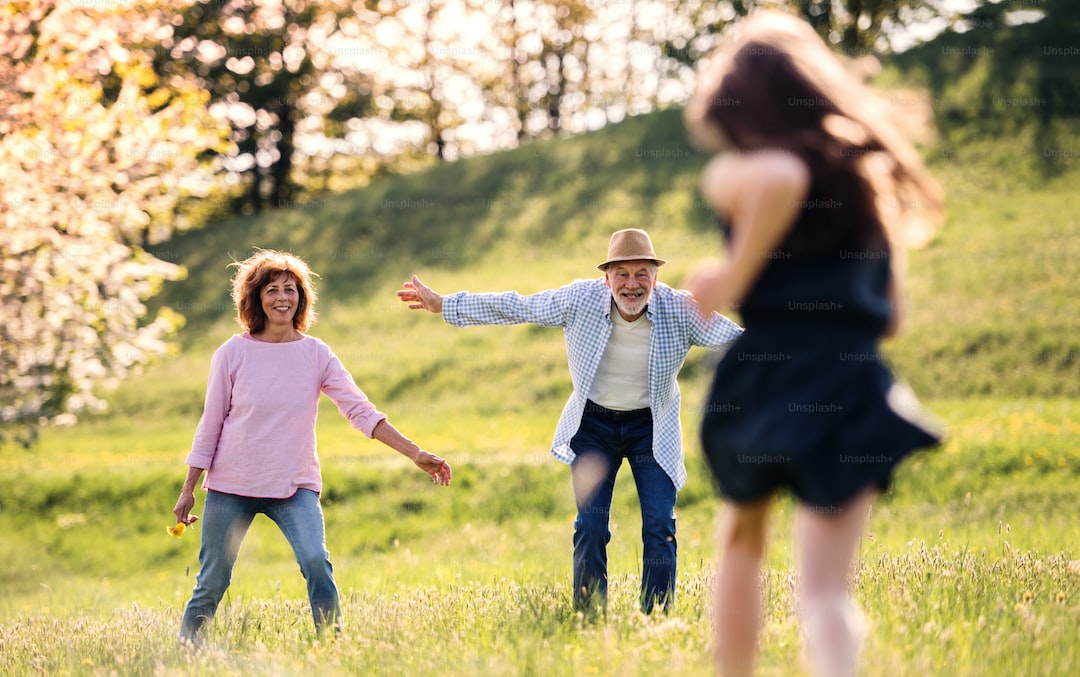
622, 381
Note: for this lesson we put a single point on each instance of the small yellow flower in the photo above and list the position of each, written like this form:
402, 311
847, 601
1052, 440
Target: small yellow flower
178, 530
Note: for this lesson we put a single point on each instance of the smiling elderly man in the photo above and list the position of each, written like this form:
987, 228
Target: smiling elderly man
627, 336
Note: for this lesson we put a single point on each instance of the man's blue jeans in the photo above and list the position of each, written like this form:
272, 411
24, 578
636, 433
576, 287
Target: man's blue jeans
603, 440
225, 521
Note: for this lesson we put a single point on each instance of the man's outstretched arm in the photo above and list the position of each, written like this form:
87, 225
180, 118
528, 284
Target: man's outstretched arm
548, 308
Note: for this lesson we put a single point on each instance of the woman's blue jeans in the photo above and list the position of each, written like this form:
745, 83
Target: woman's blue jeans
225, 521
603, 440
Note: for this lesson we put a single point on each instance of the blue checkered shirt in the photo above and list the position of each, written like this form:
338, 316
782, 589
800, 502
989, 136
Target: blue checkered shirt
583, 309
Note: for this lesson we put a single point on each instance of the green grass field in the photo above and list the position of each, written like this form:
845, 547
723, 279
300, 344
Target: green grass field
970, 562
969, 566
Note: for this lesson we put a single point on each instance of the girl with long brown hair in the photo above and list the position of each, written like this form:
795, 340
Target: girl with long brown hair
817, 192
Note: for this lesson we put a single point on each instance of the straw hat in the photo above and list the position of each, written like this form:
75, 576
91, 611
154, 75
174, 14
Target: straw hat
630, 244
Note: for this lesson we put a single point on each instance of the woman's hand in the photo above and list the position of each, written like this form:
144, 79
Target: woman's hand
186, 502
436, 467
182, 511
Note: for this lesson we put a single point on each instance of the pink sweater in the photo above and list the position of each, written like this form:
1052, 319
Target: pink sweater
256, 436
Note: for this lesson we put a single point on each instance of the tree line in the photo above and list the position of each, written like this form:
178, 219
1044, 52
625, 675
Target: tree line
123, 122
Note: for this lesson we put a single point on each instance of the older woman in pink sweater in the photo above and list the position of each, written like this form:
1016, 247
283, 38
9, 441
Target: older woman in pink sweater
256, 439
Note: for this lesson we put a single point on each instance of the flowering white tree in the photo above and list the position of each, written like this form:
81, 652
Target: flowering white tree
94, 157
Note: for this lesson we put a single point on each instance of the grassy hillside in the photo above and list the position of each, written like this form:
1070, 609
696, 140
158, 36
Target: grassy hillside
992, 300
989, 298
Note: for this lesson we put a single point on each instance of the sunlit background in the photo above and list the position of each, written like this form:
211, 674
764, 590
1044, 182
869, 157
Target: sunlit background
492, 144
125, 122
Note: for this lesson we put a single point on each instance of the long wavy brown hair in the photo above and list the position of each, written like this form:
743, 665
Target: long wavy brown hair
773, 84
255, 272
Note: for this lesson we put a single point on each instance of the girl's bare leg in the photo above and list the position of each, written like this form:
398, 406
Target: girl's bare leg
737, 595
825, 543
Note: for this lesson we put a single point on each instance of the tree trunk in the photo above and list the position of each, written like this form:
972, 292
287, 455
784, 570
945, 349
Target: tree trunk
281, 170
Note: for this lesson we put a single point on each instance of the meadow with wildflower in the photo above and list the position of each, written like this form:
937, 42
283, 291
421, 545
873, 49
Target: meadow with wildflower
970, 565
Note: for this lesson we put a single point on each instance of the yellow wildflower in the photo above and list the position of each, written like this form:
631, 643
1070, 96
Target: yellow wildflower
178, 530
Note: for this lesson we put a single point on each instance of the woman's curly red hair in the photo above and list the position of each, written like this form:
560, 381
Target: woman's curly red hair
256, 272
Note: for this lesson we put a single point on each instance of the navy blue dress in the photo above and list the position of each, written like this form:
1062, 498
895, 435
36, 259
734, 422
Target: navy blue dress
803, 399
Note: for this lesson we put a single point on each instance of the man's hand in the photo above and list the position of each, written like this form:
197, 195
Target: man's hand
419, 296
